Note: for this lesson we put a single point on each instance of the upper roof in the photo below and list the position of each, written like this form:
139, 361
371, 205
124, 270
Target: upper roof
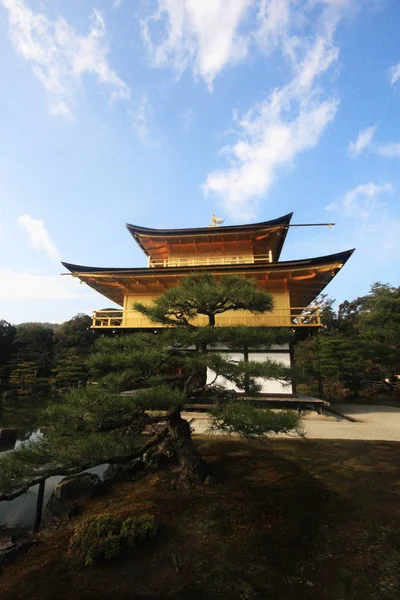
260, 237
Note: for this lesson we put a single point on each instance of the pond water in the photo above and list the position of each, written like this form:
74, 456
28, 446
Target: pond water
21, 511
24, 416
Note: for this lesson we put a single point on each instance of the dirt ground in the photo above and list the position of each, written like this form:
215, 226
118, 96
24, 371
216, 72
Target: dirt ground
290, 519
371, 423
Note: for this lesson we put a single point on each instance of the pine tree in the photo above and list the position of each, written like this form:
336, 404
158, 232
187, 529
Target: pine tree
167, 369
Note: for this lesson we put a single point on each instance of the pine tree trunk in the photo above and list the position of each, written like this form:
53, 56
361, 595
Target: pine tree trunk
193, 469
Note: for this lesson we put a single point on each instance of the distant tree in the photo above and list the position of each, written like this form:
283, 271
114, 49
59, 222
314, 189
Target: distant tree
72, 344
33, 343
25, 379
7, 335
168, 369
378, 325
69, 371
359, 342
75, 334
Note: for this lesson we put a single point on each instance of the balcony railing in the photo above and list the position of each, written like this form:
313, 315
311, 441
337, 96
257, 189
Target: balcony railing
210, 260
279, 317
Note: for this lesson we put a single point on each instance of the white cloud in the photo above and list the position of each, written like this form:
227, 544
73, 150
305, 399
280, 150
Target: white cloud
394, 74
292, 117
60, 56
363, 141
363, 202
39, 237
274, 18
200, 34
367, 222
141, 118
60, 109
391, 150
207, 35
16, 285
290, 120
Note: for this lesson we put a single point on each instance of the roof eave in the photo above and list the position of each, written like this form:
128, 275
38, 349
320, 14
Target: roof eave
341, 257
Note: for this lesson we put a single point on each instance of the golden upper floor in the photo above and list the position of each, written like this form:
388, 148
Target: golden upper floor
235, 244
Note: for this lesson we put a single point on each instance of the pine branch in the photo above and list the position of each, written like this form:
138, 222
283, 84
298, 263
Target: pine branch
42, 475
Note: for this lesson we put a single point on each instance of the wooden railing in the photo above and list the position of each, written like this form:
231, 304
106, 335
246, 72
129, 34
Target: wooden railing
279, 317
210, 260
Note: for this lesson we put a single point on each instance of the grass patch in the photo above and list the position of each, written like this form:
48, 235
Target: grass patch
293, 519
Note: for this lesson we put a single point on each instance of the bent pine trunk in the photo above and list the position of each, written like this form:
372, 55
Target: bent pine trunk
193, 469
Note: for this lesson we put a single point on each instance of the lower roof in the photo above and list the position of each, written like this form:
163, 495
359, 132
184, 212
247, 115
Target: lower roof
304, 279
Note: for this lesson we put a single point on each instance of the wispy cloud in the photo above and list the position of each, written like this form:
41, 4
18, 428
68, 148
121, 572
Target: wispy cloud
201, 35
141, 120
391, 150
363, 201
394, 74
368, 223
291, 119
60, 56
206, 36
39, 237
363, 141
274, 18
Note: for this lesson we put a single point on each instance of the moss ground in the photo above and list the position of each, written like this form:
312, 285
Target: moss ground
287, 519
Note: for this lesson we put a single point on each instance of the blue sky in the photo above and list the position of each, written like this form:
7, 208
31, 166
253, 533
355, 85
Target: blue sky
163, 112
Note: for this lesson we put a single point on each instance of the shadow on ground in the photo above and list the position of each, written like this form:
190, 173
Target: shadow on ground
287, 519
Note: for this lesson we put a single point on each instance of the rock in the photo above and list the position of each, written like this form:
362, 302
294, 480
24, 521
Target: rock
14, 542
84, 485
58, 508
116, 472
8, 437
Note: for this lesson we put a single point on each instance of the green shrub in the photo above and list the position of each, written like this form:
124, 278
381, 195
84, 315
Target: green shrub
138, 529
97, 539
101, 537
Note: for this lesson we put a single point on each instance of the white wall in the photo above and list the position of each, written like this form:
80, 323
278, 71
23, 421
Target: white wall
268, 386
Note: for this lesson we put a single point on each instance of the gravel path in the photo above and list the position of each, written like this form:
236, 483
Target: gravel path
373, 423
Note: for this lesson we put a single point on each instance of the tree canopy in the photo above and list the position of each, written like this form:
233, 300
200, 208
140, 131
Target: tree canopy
165, 371
359, 342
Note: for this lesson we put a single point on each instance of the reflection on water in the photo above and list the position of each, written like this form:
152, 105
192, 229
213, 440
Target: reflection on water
24, 415
21, 511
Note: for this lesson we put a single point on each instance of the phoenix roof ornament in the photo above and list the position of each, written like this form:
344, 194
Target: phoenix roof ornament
216, 221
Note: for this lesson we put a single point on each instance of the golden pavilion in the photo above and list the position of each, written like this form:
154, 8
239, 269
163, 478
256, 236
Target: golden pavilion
251, 251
